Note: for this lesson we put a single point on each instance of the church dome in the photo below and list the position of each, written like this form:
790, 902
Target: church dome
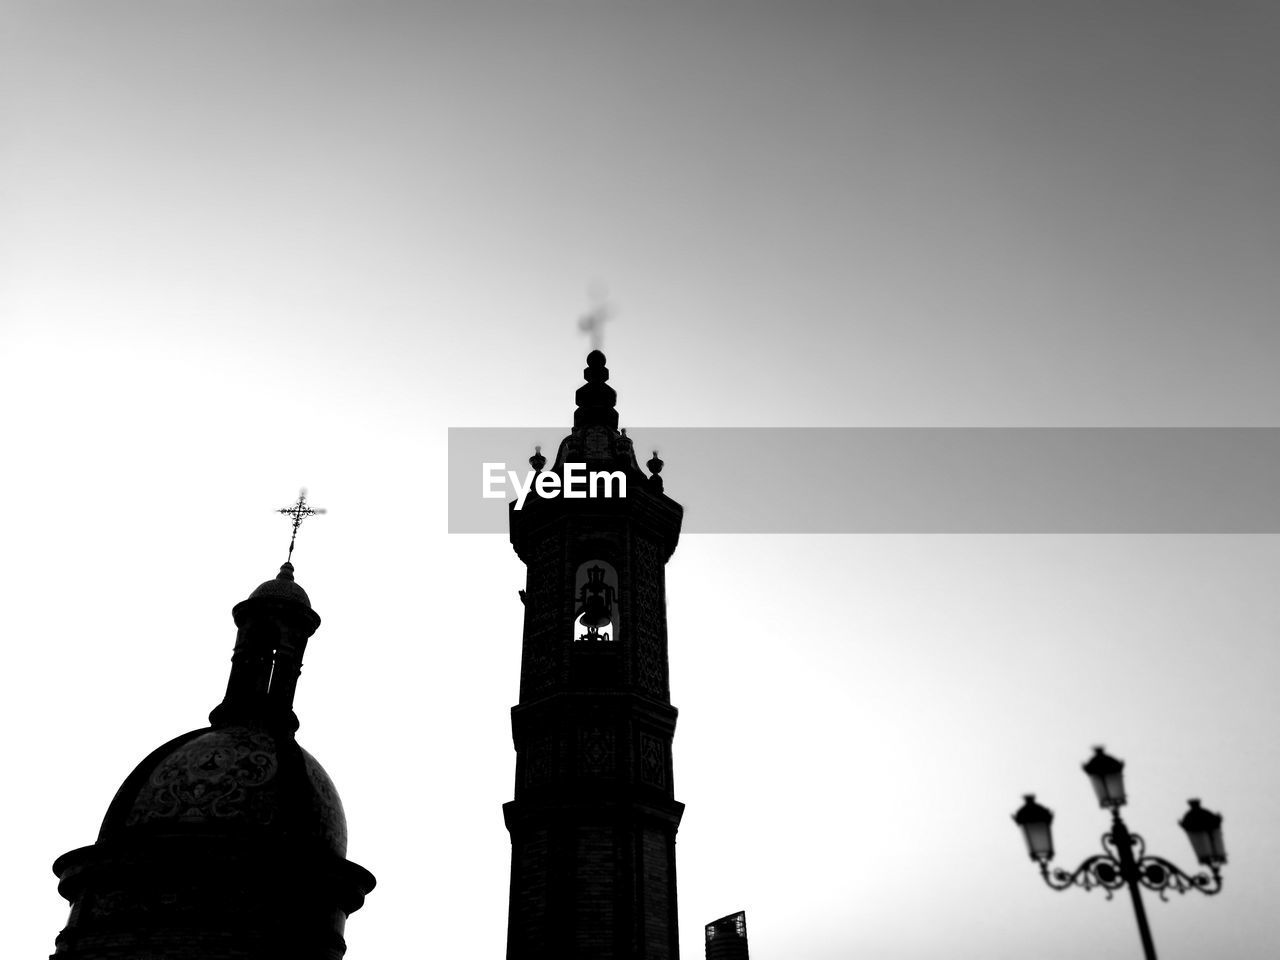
236, 780
282, 587
230, 840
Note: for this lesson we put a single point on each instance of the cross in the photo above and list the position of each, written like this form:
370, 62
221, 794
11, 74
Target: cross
299, 511
593, 321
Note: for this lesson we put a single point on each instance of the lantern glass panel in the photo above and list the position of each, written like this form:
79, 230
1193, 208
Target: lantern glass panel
1202, 844
1110, 789
1217, 849
1039, 837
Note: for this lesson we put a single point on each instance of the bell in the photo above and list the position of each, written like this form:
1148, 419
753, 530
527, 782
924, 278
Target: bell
595, 613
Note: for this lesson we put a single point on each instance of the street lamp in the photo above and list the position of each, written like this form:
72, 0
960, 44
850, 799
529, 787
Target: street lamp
1034, 821
1106, 773
1124, 861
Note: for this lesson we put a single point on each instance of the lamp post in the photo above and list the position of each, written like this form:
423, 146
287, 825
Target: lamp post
1124, 861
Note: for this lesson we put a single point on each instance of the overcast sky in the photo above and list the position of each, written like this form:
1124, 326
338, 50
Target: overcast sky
247, 246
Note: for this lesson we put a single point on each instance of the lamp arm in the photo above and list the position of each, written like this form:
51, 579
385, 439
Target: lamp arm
1158, 874
1100, 870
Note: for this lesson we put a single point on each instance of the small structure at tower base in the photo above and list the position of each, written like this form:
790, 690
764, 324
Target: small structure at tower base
727, 937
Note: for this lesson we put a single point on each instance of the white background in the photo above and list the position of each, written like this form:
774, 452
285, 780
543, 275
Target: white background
248, 246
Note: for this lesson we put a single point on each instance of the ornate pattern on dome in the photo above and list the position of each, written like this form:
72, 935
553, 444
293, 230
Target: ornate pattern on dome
234, 776
218, 775
326, 806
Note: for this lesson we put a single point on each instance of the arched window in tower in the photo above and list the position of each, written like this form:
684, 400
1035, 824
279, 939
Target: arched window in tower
596, 617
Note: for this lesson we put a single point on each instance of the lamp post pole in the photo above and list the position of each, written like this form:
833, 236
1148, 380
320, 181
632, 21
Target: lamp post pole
1124, 861
1129, 870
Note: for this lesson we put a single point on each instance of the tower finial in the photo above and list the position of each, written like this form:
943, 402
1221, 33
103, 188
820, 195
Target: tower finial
299, 511
596, 399
592, 322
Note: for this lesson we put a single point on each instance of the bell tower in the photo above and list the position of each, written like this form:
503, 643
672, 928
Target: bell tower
593, 823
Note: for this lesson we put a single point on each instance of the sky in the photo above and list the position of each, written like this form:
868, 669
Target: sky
246, 247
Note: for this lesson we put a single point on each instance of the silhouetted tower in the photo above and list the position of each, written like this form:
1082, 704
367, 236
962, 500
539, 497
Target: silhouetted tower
727, 937
228, 842
593, 823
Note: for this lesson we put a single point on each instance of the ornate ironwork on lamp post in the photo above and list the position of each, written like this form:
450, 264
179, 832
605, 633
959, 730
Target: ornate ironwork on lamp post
1124, 860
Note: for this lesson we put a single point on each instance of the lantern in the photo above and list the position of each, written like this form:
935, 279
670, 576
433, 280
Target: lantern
1204, 830
1106, 773
1035, 822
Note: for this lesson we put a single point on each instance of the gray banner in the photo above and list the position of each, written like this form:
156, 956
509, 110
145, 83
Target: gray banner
911, 480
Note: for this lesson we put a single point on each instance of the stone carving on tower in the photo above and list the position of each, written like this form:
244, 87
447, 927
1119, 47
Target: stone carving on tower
594, 819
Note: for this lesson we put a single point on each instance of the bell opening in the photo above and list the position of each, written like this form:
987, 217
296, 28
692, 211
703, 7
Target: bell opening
596, 616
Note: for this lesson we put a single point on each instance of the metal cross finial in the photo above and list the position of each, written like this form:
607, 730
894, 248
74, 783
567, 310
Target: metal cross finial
299, 511
592, 322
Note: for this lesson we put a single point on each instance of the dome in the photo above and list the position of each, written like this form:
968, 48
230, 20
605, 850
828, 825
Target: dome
230, 780
282, 587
